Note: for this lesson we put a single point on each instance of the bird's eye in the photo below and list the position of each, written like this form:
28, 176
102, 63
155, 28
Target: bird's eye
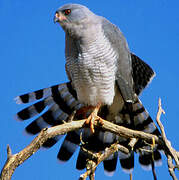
67, 11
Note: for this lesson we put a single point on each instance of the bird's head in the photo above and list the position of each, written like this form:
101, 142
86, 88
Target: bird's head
74, 18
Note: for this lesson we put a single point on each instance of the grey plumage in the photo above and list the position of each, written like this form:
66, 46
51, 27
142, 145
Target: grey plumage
101, 69
124, 64
93, 63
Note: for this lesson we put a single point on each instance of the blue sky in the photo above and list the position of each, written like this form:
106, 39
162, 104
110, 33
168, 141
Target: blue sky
32, 57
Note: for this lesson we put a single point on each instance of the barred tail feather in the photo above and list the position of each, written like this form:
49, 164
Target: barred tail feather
138, 118
127, 161
52, 141
60, 101
36, 126
55, 105
110, 164
147, 158
53, 116
81, 160
46, 92
69, 146
34, 109
33, 96
62, 95
144, 122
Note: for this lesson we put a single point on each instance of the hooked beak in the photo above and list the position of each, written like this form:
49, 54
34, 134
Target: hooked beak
59, 17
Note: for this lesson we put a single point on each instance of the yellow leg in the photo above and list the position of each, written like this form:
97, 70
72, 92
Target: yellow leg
94, 117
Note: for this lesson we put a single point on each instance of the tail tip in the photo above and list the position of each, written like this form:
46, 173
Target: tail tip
158, 162
146, 167
26, 133
109, 173
61, 161
128, 171
17, 118
18, 100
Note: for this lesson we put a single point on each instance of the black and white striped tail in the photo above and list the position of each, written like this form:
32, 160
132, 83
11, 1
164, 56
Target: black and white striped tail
56, 103
142, 122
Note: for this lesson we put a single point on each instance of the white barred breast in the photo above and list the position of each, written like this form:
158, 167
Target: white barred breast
93, 71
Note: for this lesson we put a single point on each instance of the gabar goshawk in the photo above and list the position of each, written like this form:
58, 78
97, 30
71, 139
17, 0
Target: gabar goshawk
105, 78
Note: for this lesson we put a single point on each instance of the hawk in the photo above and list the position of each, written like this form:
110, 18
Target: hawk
105, 79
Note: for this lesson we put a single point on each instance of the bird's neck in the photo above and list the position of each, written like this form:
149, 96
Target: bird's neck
82, 43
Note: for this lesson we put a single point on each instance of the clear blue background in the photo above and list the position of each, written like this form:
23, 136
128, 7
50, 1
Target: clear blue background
32, 57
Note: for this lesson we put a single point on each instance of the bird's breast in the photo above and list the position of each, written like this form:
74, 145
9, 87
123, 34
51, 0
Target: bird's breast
93, 72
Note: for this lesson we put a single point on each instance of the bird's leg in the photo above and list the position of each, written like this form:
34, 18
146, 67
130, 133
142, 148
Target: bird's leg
82, 111
94, 117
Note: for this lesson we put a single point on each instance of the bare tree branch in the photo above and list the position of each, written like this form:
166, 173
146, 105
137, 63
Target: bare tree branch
170, 152
91, 165
171, 167
14, 160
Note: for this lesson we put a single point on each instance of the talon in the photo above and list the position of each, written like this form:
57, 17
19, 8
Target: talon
92, 126
93, 117
90, 120
101, 121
